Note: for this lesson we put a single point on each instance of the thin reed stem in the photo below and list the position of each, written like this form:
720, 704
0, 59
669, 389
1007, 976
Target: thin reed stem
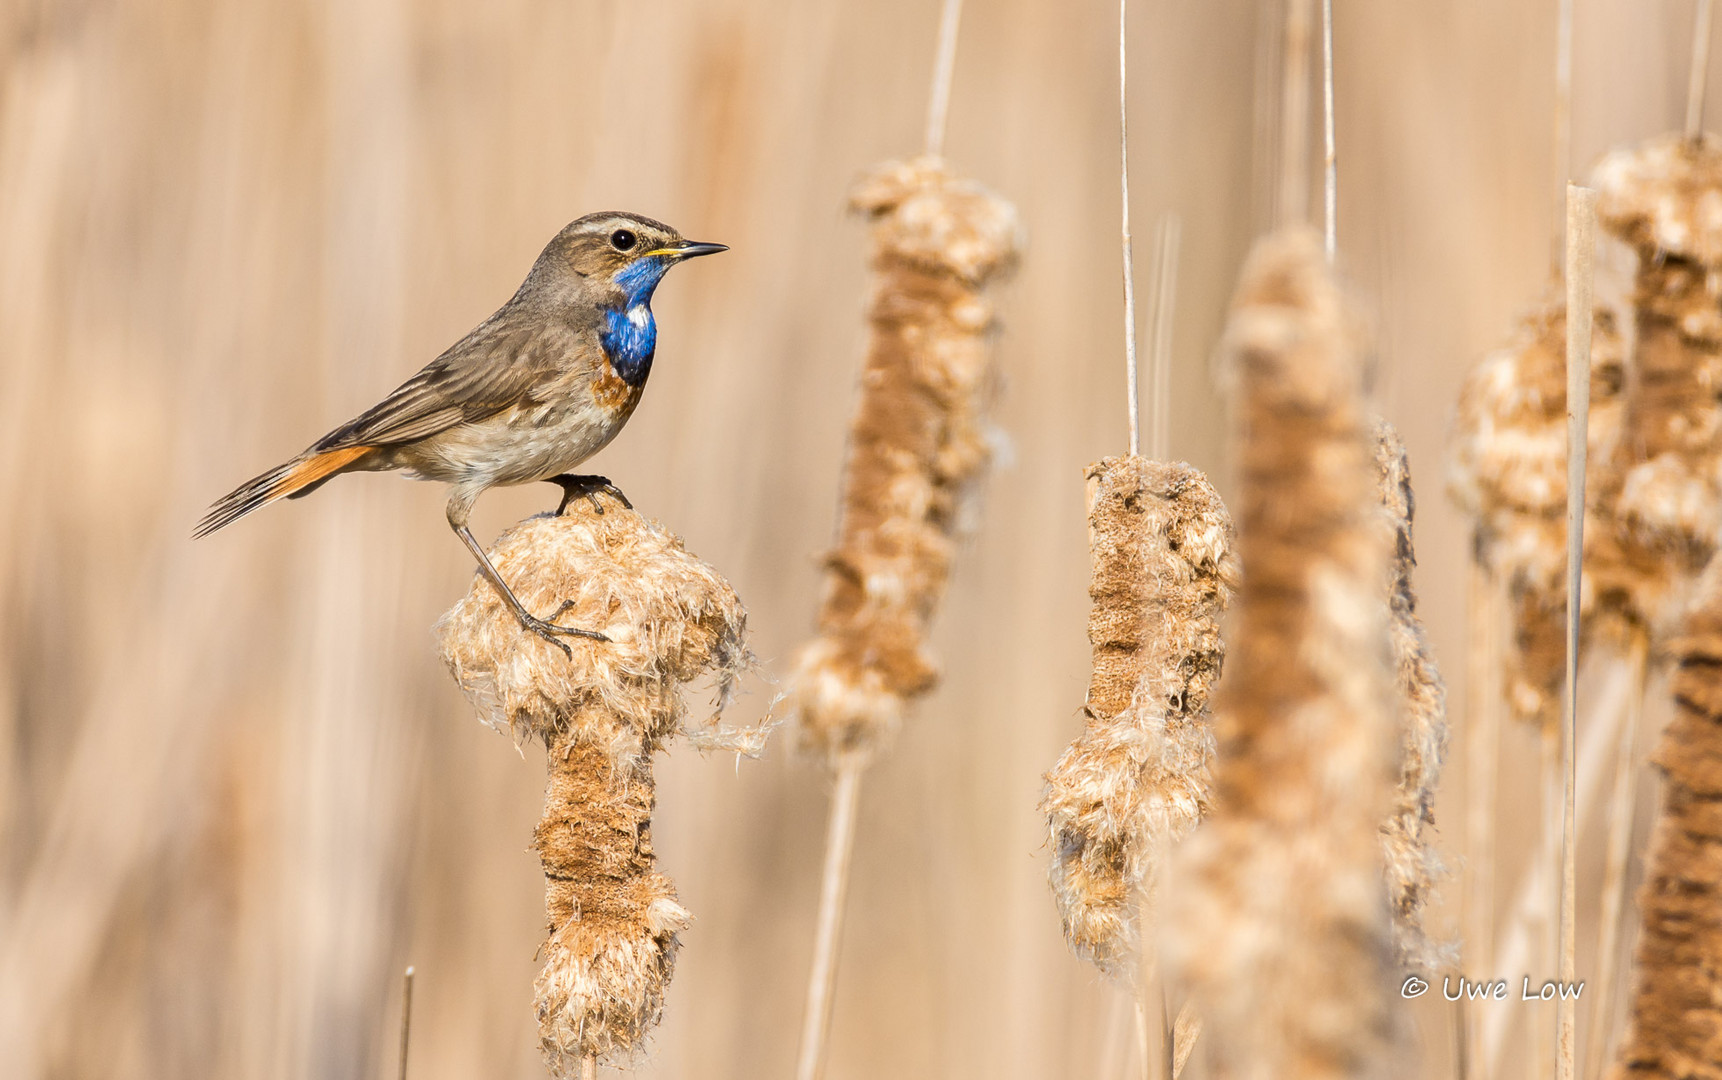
1699, 75
944, 65
1563, 127
1143, 1057
1544, 923
589, 1067
1330, 173
1129, 261
1165, 304
1581, 246
406, 1018
1294, 117
1482, 758
1623, 804
833, 888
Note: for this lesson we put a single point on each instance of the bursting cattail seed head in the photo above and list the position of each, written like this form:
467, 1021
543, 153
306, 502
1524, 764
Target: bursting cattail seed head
1509, 474
1137, 777
917, 445
671, 619
1407, 834
1280, 918
1664, 483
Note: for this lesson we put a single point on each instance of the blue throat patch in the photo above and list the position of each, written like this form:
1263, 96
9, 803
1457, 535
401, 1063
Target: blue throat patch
630, 334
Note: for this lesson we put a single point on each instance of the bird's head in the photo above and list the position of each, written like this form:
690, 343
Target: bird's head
621, 257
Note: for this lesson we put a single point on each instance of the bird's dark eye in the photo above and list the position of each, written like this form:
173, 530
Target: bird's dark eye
623, 239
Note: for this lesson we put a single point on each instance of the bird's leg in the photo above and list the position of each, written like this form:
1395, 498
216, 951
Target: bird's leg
574, 486
544, 628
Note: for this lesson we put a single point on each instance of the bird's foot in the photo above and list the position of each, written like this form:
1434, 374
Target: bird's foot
549, 630
591, 487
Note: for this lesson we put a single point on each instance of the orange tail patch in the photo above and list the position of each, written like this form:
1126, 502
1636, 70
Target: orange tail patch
297, 476
312, 469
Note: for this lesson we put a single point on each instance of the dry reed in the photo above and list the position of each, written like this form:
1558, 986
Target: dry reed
1407, 833
1281, 919
1137, 778
1676, 1016
671, 619
916, 446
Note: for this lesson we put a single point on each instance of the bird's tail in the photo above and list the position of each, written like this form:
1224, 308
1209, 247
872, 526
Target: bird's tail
297, 477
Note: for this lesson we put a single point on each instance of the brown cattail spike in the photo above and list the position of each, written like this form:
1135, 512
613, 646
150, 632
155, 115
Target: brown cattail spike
670, 619
1280, 915
916, 446
1407, 834
1676, 1025
1137, 777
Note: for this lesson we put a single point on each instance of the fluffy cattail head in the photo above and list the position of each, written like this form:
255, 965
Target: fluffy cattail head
1280, 914
1408, 832
1663, 484
1137, 777
1509, 473
916, 446
670, 619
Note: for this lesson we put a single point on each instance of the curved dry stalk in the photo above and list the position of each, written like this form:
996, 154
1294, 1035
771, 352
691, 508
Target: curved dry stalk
828, 933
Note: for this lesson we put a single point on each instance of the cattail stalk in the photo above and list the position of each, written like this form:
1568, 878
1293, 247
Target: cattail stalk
1622, 821
833, 887
1330, 160
1132, 397
614, 920
1676, 1017
1698, 74
1282, 923
1581, 244
406, 1019
1165, 303
1482, 759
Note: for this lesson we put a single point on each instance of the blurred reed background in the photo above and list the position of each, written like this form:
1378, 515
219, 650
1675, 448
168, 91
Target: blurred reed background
238, 792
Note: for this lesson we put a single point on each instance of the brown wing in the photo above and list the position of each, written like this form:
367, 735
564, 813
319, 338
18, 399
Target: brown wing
490, 369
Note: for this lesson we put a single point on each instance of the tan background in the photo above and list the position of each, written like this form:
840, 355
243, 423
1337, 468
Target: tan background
238, 793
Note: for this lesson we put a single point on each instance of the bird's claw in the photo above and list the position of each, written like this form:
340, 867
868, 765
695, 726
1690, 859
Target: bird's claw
549, 631
590, 487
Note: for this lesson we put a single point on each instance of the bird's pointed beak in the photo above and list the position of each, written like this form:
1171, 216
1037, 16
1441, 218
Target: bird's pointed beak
688, 249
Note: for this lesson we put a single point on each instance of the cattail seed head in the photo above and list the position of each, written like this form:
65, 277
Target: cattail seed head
1676, 1012
1663, 484
1137, 777
917, 445
1509, 474
1280, 918
671, 619
1407, 834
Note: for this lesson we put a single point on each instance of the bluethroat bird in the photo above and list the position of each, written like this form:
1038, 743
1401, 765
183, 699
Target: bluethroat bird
534, 391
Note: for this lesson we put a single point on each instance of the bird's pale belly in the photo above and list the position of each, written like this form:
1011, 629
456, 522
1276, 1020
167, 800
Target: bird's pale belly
519, 445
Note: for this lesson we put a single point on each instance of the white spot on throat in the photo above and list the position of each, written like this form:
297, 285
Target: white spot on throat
639, 315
